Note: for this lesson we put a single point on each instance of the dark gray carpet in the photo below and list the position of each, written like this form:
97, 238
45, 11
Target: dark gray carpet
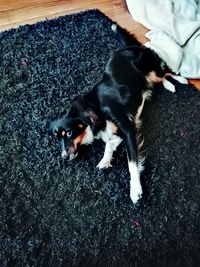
56, 213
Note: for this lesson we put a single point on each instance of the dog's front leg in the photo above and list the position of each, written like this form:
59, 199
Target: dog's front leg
111, 145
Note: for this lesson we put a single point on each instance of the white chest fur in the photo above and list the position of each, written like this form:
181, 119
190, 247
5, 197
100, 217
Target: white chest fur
110, 130
89, 137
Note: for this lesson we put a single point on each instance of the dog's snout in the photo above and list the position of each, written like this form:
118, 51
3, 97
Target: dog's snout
64, 154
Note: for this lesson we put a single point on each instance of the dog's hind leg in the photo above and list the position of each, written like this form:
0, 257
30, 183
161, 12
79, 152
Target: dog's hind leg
145, 95
133, 165
128, 132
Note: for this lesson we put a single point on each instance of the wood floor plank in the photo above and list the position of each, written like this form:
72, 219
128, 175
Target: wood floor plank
20, 12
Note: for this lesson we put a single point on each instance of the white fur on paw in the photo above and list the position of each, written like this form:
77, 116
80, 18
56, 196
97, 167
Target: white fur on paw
104, 164
136, 194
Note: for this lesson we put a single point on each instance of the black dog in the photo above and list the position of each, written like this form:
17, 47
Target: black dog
111, 109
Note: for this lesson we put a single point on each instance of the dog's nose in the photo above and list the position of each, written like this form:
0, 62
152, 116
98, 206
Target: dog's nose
64, 154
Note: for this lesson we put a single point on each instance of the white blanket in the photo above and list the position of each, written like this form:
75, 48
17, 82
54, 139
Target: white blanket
174, 31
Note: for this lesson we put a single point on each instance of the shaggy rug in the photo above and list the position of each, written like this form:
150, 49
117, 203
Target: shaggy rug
57, 213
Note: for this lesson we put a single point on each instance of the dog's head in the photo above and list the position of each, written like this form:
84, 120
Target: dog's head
76, 128
71, 133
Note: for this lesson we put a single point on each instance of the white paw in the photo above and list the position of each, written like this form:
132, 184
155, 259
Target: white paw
136, 194
103, 164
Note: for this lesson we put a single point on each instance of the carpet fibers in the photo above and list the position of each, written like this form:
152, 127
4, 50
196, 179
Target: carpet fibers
57, 213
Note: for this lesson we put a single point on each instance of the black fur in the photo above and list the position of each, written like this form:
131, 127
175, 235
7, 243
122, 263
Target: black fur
116, 98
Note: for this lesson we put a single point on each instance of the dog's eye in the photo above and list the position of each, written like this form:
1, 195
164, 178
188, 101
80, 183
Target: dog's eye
69, 133
63, 133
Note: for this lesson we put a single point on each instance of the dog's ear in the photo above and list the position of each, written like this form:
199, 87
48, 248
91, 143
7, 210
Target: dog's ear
91, 118
80, 109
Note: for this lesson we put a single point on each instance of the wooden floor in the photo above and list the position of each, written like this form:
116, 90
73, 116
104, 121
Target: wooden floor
20, 12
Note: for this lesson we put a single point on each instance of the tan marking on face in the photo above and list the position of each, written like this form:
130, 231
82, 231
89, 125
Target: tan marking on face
80, 125
78, 139
76, 142
63, 133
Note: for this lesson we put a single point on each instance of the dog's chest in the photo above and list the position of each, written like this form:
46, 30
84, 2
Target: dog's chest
106, 134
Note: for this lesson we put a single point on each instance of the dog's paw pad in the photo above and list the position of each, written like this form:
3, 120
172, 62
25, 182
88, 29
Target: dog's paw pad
104, 165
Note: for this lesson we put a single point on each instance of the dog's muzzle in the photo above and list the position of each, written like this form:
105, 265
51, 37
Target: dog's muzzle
68, 155
64, 154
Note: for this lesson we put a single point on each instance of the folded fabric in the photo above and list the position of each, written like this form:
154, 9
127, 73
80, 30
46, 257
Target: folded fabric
174, 31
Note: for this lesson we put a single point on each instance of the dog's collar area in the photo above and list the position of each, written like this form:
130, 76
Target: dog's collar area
83, 135
87, 137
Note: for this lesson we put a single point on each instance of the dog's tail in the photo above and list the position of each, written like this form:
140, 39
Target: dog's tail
171, 81
175, 79
124, 36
